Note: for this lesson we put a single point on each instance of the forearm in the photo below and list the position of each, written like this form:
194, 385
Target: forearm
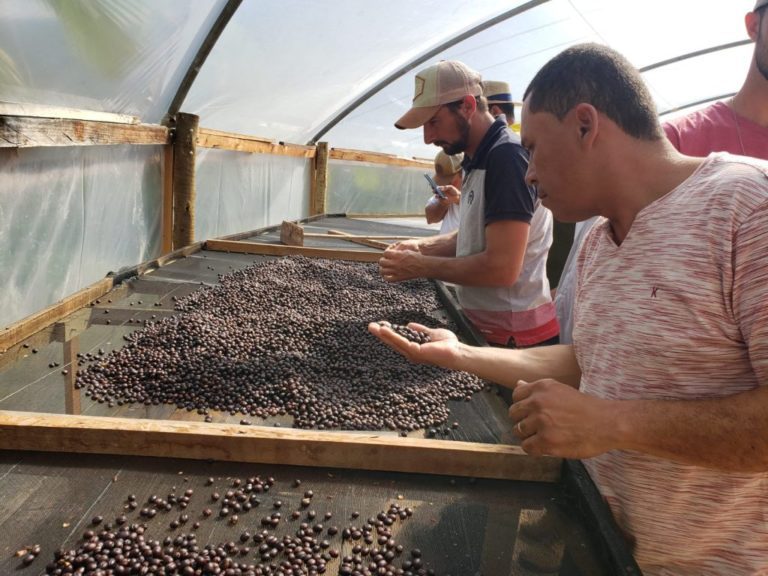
443, 246
476, 270
729, 433
435, 212
505, 366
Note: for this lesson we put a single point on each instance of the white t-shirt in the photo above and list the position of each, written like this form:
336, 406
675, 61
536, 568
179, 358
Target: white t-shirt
450, 221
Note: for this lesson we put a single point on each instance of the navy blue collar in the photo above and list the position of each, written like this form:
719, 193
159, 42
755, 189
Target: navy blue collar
485, 145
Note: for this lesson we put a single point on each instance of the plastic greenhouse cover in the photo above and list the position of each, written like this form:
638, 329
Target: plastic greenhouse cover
515, 50
238, 192
360, 187
283, 68
71, 215
119, 56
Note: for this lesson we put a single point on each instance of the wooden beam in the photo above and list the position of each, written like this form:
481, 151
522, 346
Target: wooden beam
207, 138
27, 132
282, 250
318, 192
184, 179
24, 328
44, 111
378, 158
267, 445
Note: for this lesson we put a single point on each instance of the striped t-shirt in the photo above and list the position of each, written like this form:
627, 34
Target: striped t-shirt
680, 311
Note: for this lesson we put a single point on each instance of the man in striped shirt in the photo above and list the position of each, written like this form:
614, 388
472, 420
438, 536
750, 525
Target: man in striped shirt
664, 391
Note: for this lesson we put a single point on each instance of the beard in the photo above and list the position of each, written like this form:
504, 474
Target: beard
459, 145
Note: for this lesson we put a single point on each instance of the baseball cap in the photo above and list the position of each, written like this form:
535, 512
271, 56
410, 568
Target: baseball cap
759, 4
497, 92
446, 167
442, 83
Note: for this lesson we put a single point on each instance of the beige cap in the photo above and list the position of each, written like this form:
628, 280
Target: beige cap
447, 166
497, 92
445, 82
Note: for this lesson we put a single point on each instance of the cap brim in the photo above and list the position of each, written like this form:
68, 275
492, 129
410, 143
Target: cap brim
416, 117
443, 180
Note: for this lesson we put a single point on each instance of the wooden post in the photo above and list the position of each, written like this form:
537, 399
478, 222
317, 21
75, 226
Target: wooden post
166, 221
66, 333
318, 201
184, 179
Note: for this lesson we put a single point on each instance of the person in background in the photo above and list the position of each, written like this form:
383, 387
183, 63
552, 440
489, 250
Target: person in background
738, 125
500, 101
664, 393
448, 176
497, 257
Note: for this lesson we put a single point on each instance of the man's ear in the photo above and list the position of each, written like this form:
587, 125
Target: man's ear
752, 23
586, 120
469, 105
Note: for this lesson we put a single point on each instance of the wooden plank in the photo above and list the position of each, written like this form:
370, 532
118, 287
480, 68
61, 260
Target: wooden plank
230, 442
44, 111
318, 192
24, 328
239, 143
282, 250
184, 179
25, 132
378, 158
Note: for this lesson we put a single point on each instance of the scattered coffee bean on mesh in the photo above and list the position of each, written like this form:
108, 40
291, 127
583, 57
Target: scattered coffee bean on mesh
132, 549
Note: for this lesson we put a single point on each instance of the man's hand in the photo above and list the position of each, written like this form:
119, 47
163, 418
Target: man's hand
452, 194
411, 245
442, 350
398, 264
554, 419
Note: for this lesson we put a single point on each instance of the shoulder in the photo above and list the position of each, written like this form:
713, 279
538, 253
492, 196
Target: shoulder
715, 114
507, 148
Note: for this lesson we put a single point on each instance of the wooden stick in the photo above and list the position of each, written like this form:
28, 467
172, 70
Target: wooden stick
267, 445
359, 240
282, 250
358, 237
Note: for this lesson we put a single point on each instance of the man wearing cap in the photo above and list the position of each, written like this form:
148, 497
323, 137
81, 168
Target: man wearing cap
500, 101
448, 176
738, 125
498, 256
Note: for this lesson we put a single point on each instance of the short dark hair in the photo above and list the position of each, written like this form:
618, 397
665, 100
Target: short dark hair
507, 108
599, 76
481, 101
